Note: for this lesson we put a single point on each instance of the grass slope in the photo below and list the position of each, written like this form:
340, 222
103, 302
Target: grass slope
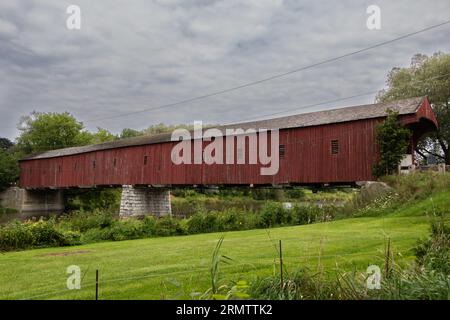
173, 267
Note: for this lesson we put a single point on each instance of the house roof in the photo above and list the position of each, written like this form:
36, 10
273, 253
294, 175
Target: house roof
377, 110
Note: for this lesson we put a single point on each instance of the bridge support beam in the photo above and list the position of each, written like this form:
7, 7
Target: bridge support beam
142, 201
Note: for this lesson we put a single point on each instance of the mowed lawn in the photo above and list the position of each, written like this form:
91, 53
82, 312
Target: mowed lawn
174, 267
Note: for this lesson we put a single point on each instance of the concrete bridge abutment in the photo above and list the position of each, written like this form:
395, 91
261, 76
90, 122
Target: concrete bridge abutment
32, 201
142, 201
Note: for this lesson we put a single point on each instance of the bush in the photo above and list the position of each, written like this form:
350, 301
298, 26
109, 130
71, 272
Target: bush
120, 230
17, 235
168, 226
273, 213
186, 207
93, 235
195, 223
72, 238
123, 230
82, 221
149, 226
295, 193
302, 215
228, 220
434, 253
233, 219
203, 223
45, 234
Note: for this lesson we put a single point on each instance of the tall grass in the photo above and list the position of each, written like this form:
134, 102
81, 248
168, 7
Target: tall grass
219, 290
406, 188
426, 279
418, 185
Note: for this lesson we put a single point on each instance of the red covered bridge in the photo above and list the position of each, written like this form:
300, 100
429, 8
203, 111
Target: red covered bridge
327, 147
333, 146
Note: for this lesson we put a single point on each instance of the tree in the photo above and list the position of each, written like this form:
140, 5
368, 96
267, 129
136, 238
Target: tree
162, 128
48, 131
130, 133
426, 76
5, 144
393, 140
9, 169
102, 135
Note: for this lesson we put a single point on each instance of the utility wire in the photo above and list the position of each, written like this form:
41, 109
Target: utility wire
306, 106
330, 101
276, 76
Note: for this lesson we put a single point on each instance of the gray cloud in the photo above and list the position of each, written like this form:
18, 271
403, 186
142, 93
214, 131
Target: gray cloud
141, 54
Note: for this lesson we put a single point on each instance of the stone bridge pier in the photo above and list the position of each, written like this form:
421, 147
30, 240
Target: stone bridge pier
142, 201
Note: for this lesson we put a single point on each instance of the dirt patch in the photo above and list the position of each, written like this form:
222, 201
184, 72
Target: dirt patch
67, 253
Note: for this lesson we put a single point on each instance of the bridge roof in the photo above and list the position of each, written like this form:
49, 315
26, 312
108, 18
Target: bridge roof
353, 113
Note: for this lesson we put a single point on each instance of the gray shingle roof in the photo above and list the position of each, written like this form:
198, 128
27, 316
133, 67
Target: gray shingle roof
405, 106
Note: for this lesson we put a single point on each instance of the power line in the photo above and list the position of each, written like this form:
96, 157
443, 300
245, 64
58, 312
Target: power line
331, 101
276, 76
309, 106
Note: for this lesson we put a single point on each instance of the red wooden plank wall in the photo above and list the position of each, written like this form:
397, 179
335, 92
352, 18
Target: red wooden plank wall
307, 159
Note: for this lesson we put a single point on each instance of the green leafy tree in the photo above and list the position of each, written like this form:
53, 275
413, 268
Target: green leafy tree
47, 131
162, 128
393, 141
130, 133
102, 135
425, 76
5, 144
9, 169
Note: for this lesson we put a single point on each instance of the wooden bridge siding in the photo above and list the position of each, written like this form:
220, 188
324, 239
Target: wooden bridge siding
308, 159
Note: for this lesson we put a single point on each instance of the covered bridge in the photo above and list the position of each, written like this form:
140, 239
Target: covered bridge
326, 147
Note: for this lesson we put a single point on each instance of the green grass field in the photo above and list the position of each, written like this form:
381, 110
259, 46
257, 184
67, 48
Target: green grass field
174, 267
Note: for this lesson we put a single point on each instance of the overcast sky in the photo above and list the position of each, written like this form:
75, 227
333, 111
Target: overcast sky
137, 54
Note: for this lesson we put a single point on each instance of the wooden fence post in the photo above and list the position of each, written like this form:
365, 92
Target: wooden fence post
281, 267
96, 284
